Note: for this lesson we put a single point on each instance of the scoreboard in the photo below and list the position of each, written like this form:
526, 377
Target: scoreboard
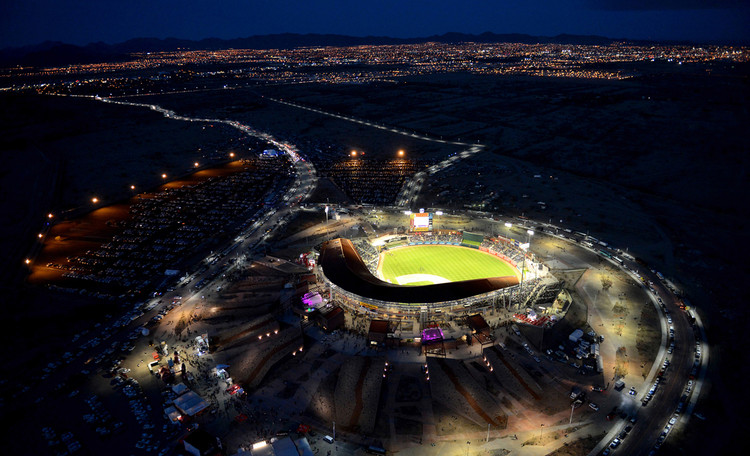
421, 221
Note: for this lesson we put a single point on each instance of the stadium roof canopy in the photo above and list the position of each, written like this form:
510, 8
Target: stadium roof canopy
343, 266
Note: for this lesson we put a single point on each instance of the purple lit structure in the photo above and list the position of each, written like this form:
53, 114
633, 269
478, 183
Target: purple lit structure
312, 301
430, 335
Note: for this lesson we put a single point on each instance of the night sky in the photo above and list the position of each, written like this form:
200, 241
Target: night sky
25, 22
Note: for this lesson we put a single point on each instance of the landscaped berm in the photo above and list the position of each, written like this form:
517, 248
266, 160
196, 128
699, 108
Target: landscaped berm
428, 264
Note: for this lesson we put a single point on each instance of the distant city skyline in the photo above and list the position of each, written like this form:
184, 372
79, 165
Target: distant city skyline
78, 22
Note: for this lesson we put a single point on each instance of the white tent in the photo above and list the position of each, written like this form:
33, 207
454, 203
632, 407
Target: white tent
190, 403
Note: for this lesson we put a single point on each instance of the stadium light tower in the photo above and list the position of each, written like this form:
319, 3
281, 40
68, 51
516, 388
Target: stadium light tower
525, 248
326, 211
438, 213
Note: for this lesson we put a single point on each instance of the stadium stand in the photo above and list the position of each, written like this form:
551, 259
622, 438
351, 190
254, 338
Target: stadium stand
344, 267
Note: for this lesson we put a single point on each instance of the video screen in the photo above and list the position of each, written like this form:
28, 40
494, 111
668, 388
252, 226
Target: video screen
421, 222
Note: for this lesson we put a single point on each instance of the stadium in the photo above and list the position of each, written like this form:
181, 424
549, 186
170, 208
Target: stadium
424, 272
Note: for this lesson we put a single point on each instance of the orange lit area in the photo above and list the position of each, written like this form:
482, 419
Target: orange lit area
74, 237
71, 238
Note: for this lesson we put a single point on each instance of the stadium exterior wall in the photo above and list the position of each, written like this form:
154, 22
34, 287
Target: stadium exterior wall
364, 304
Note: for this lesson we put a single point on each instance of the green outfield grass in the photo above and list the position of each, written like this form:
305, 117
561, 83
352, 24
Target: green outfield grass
452, 263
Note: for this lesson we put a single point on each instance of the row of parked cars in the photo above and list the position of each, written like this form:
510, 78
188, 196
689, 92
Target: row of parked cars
100, 419
620, 437
62, 445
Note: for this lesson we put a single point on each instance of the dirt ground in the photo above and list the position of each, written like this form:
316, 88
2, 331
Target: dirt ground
578, 447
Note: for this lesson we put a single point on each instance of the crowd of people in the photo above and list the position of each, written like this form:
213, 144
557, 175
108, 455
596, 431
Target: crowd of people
453, 237
509, 250
368, 253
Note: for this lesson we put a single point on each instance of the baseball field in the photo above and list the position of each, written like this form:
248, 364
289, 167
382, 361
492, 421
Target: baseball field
428, 264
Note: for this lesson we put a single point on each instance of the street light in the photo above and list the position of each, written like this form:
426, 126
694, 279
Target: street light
164, 176
196, 164
94, 200
525, 247
572, 407
401, 153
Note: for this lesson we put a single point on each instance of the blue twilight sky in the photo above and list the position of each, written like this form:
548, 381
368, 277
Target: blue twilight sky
83, 21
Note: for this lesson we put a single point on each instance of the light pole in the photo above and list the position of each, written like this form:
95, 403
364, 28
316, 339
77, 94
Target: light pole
541, 427
525, 247
326, 209
488, 432
334, 430
572, 407
437, 213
